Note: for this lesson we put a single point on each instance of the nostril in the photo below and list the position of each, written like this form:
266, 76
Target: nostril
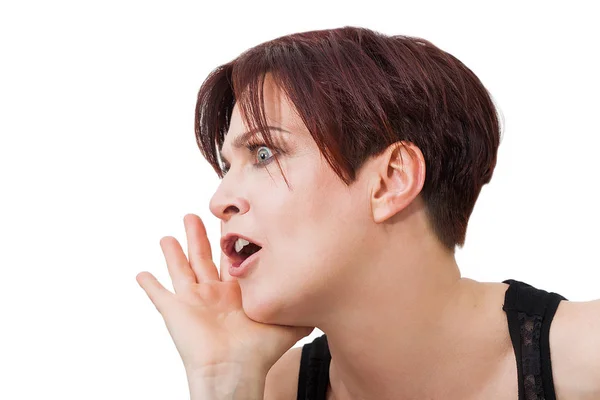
231, 210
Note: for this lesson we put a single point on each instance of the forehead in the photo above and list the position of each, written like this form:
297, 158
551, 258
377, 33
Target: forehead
279, 111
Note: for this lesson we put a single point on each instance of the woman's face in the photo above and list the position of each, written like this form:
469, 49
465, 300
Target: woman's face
312, 233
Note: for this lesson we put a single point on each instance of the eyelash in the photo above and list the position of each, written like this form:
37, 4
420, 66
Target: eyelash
252, 146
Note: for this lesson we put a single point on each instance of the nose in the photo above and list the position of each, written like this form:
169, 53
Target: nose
224, 203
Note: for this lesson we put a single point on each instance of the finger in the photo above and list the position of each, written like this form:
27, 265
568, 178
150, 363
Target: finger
199, 251
157, 293
224, 264
179, 268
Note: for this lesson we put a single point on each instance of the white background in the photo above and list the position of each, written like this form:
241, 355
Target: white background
98, 161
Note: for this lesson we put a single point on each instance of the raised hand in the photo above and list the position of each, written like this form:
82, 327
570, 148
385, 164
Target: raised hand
205, 317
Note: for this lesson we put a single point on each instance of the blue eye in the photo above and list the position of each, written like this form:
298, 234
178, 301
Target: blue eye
263, 157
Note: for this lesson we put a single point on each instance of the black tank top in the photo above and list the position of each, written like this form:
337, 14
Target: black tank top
529, 312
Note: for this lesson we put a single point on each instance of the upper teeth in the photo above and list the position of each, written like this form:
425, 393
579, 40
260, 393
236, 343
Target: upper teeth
240, 243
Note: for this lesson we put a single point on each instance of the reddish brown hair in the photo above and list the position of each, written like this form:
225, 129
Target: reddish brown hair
359, 91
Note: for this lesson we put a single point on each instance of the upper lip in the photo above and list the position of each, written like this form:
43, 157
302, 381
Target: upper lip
228, 244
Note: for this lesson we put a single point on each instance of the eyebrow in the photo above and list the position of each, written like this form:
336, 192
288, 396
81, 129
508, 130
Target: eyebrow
242, 138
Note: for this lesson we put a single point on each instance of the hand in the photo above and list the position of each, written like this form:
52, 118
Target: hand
205, 317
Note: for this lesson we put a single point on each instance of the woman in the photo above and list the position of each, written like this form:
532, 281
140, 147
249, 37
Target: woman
350, 164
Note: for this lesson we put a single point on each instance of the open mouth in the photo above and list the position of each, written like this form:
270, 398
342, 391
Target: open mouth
239, 249
248, 250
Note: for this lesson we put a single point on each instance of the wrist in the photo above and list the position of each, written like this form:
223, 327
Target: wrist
227, 381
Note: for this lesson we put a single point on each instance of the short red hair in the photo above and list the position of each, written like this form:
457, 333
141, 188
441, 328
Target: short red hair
359, 91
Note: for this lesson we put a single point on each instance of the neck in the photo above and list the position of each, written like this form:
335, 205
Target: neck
412, 329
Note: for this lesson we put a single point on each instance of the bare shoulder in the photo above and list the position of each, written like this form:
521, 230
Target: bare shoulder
575, 350
282, 379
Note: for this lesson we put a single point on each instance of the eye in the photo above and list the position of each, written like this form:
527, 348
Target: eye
264, 155
224, 168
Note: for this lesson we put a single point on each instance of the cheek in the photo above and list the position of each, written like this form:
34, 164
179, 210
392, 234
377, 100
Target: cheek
313, 221
296, 276
295, 272
312, 232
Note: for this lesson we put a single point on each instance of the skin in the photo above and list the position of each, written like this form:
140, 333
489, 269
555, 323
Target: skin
361, 263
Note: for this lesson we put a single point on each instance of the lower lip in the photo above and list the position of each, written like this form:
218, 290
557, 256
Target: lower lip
244, 267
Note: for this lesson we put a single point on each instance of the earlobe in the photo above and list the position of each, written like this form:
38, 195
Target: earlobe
398, 180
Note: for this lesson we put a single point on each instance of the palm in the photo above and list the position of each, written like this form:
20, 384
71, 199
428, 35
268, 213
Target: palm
204, 316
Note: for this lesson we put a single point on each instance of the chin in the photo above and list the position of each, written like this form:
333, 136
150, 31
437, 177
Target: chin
264, 306
259, 307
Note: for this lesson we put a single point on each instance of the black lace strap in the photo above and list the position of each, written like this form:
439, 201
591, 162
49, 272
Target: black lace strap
314, 370
530, 312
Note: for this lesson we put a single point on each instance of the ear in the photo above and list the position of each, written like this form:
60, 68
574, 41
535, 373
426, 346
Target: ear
398, 179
